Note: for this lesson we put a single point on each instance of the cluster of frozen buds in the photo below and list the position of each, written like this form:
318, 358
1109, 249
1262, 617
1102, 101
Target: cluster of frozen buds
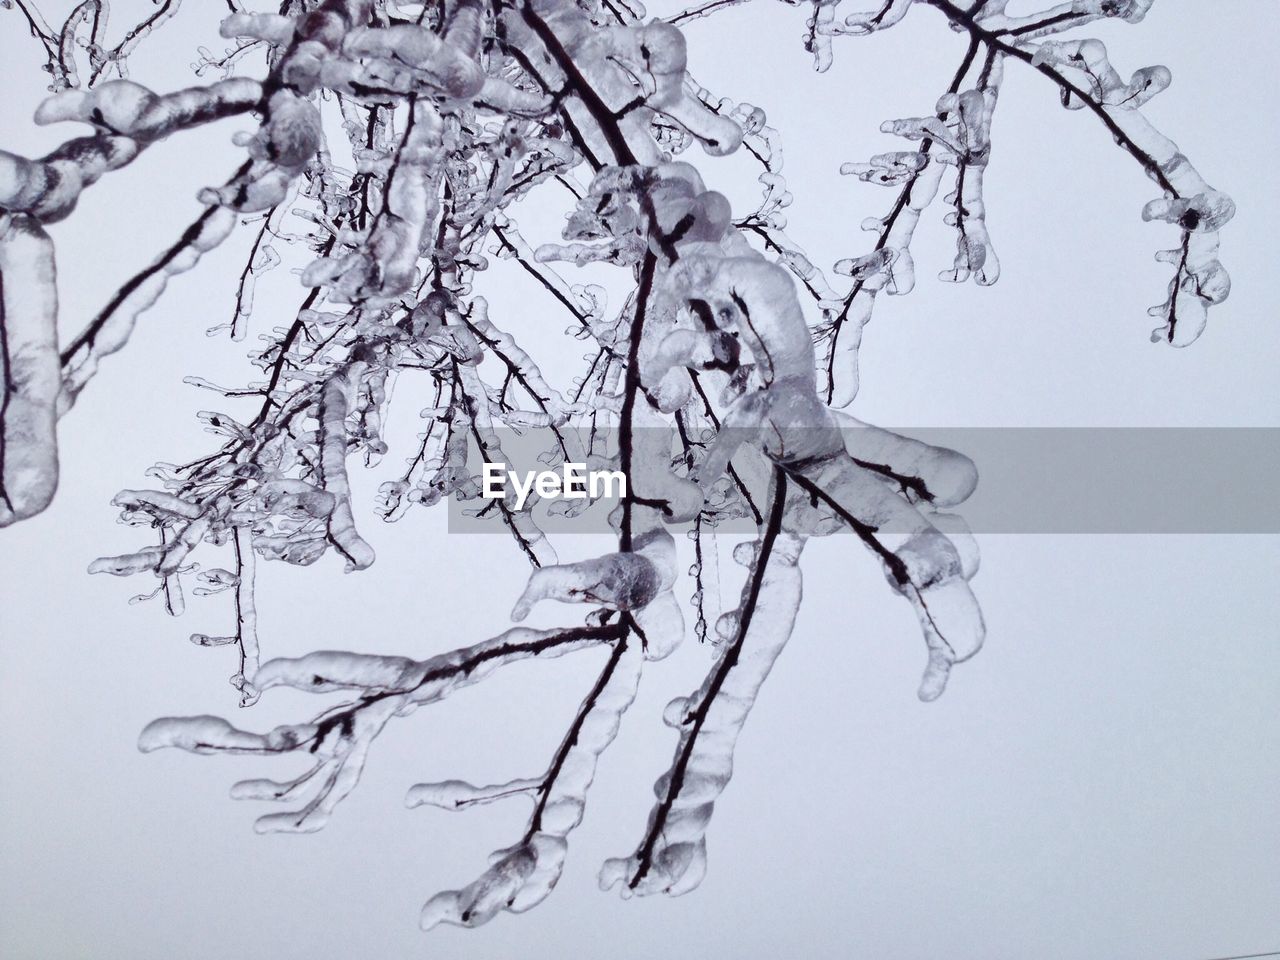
709, 388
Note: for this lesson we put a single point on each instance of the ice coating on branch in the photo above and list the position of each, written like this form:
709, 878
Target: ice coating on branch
523, 875
638, 582
784, 416
619, 581
78, 51
971, 113
275, 29
919, 560
523, 367
660, 621
1051, 20
921, 471
660, 48
30, 367
889, 14
332, 414
988, 15
458, 794
280, 150
737, 292
339, 738
1107, 87
959, 135
111, 328
889, 267
386, 264
129, 109
129, 117
630, 72
672, 856
423, 54
1199, 281
524, 529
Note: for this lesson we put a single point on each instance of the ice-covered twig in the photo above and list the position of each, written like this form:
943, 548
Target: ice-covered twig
339, 738
959, 134
523, 875
671, 858
332, 414
111, 328
246, 619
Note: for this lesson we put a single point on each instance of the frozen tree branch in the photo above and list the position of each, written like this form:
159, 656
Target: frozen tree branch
339, 738
672, 856
713, 383
958, 135
523, 875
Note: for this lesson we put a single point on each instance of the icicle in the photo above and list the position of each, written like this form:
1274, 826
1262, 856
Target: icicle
31, 369
332, 415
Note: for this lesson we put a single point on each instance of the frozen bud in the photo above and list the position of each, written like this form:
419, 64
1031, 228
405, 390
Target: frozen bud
623, 581
291, 135
1203, 213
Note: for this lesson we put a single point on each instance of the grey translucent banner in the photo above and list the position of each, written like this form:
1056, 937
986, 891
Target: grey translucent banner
1182, 480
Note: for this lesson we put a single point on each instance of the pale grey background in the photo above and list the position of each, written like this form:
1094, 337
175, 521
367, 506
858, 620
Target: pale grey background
1101, 782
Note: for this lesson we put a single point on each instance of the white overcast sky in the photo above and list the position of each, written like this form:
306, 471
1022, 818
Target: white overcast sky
1100, 782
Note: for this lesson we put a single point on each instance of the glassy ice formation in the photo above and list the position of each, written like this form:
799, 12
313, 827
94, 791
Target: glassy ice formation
391, 142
